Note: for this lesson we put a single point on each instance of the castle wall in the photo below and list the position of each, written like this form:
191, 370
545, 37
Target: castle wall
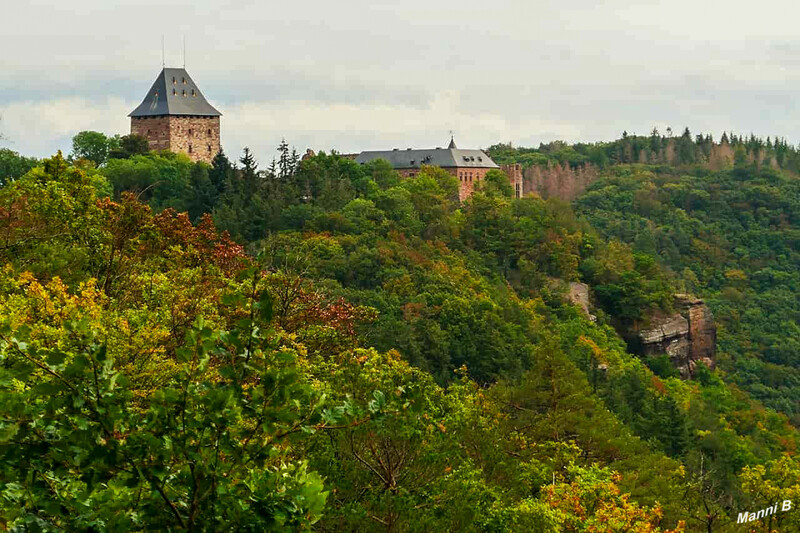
515, 177
197, 137
155, 129
469, 177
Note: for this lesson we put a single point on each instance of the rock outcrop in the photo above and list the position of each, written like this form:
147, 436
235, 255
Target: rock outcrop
578, 294
689, 336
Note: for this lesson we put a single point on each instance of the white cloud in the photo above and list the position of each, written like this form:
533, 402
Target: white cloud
41, 128
353, 127
44, 127
371, 74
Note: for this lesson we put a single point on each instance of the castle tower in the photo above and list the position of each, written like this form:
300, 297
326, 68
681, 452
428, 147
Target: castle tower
175, 116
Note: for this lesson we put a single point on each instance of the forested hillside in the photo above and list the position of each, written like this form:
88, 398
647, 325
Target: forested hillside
325, 346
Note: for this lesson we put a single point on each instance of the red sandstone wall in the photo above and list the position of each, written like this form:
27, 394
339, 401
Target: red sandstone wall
154, 129
469, 177
515, 177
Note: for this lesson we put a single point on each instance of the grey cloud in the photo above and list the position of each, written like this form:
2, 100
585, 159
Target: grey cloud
524, 71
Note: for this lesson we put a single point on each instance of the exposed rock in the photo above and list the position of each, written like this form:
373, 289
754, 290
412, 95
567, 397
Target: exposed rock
702, 329
687, 337
578, 294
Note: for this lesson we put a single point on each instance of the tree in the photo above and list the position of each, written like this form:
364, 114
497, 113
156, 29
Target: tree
593, 503
94, 146
287, 161
771, 484
208, 447
221, 172
249, 167
129, 146
13, 165
496, 182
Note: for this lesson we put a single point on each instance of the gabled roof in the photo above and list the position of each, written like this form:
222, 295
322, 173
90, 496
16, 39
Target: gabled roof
438, 157
174, 93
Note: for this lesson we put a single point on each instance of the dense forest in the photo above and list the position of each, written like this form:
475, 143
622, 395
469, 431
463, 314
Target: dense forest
319, 345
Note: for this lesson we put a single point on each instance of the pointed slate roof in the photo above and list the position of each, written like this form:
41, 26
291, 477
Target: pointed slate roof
174, 93
452, 144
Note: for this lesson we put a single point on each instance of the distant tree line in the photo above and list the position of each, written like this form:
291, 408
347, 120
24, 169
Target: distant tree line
657, 148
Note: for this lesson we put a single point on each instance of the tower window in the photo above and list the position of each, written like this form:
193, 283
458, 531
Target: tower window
190, 148
209, 132
190, 132
209, 148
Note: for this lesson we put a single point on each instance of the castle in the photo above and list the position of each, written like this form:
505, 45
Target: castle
469, 166
175, 116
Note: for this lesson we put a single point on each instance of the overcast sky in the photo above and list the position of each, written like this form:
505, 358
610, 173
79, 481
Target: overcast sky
355, 75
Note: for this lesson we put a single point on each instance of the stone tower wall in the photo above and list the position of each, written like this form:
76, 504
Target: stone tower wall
197, 137
154, 129
514, 173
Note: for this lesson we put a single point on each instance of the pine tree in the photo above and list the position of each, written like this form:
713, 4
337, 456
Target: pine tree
249, 170
284, 160
221, 172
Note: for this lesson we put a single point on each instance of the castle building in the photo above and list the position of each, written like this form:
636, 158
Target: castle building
175, 116
469, 166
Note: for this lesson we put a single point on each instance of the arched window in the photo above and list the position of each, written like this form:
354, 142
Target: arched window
209, 132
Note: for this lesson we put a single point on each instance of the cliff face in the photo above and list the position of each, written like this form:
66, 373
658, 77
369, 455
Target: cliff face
687, 337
